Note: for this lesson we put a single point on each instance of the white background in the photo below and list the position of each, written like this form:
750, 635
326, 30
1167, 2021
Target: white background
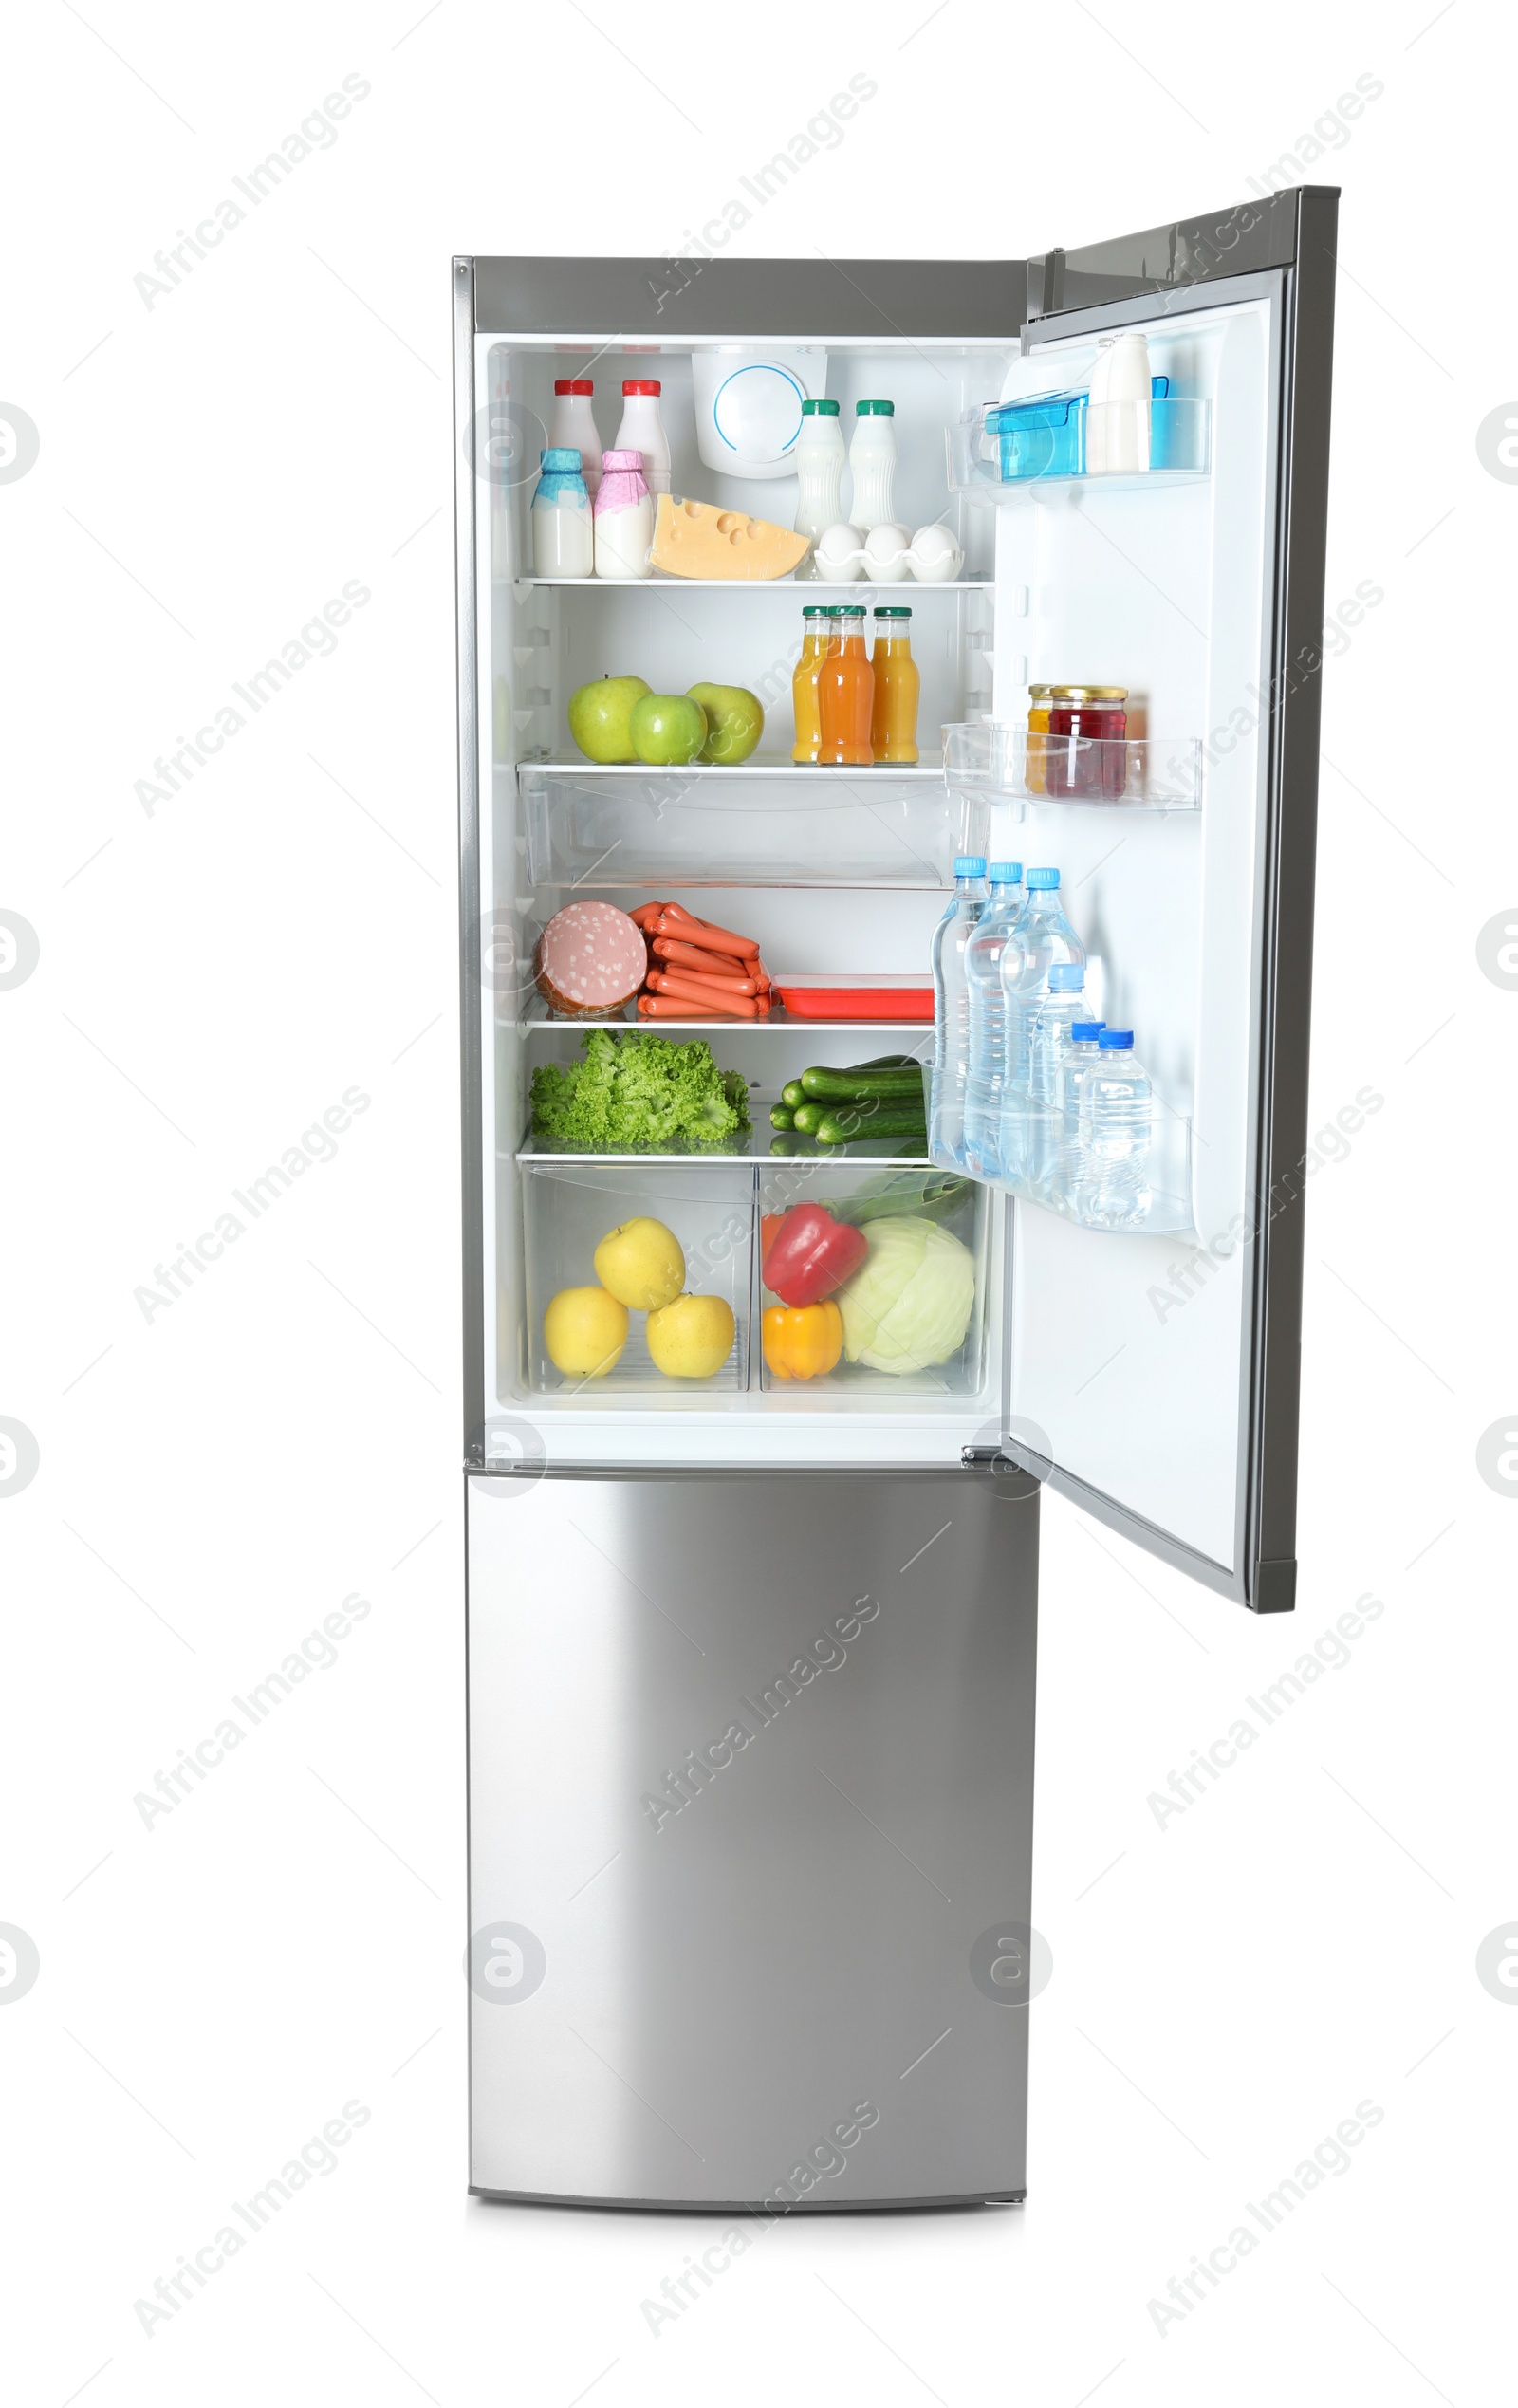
213, 1482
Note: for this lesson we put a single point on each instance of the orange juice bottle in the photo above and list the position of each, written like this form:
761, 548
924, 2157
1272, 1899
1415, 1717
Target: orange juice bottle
845, 692
816, 620
898, 683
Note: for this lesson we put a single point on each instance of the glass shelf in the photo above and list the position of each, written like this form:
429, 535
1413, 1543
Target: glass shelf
754, 1146
779, 1023
766, 823
1159, 773
805, 586
1162, 442
1050, 1174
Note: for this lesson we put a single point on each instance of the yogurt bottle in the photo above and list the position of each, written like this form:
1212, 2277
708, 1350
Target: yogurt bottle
573, 427
818, 457
562, 538
642, 430
623, 517
872, 463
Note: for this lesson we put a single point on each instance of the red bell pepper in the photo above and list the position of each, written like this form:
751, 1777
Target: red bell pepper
810, 1254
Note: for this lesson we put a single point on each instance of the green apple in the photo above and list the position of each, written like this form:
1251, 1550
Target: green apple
667, 728
736, 722
601, 718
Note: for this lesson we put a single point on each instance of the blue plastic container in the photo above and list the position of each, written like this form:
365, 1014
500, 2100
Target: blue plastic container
1045, 436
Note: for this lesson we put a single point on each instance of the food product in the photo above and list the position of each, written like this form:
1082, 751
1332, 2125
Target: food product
635, 1092
590, 961
563, 543
841, 553
898, 685
699, 539
585, 1330
845, 694
736, 722
899, 1081
573, 424
1039, 700
930, 1194
781, 1116
811, 1254
802, 1343
693, 1337
641, 1262
935, 556
907, 1305
846, 1124
667, 730
623, 517
872, 463
1096, 768
600, 717
642, 430
817, 621
887, 553
818, 457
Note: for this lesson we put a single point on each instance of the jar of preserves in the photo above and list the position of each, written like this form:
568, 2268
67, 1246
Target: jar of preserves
1094, 770
1038, 728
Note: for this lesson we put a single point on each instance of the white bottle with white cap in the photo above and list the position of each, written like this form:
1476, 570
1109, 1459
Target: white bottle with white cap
872, 465
642, 430
1118, 407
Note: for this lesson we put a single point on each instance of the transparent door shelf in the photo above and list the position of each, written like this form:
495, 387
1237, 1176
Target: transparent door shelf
1155, 1202
767, 824
1160, 773
1173, 436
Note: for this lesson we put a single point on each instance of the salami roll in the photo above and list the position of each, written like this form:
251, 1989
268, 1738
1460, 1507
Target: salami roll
590, 961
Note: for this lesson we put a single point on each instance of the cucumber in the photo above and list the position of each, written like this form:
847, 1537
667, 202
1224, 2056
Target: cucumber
842, 1125
780, 1115
898, 1085
807, 1116
793, 1093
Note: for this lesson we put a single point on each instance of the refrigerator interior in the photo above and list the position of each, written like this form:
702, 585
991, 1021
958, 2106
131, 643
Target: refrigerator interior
1158, 584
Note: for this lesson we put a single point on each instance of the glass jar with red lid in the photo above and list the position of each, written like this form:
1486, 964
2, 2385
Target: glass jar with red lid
1094, 772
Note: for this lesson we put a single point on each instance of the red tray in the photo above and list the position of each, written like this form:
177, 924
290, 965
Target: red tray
813, 994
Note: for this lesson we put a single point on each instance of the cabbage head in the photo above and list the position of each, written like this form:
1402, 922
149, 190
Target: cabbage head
909, 1304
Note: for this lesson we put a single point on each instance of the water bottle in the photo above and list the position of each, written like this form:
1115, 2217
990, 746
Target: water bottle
987, 1039
951, 1013
1049, 1047
1117, 1114
1080, 1054
1042, 938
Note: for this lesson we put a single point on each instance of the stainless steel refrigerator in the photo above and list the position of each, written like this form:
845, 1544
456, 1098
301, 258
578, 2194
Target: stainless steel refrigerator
751, 1659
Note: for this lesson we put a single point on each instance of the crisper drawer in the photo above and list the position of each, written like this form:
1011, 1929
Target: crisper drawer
638, 1276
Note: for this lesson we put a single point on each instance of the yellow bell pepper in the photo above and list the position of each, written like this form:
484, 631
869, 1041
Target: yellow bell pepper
802, 1341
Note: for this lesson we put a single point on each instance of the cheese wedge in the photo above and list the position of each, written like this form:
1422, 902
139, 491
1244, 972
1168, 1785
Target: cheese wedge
696, 539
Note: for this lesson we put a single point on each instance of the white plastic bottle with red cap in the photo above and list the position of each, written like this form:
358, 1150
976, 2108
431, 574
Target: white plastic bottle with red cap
642, 430
574, 427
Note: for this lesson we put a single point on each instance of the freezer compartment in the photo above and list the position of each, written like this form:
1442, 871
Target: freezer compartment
769, 824
751, 1836
1007, 765
911, 1317
704, 1215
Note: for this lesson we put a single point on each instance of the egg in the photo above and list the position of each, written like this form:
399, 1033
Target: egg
935, 557
886, 554
840, 554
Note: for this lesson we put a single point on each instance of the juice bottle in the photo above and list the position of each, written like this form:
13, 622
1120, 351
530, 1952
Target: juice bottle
898, 683
817, 620
845, 692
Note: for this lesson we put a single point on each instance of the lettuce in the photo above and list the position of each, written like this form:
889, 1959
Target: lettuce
637, 1093
909, 1304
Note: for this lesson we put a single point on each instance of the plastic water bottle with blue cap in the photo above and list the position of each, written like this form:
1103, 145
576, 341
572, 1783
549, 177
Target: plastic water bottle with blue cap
1117, 1128
1081, 1052
1042, 941
988, 1024
1048, 1045
951, 1013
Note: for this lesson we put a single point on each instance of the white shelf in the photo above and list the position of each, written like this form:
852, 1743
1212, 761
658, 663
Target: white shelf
803, 585
774, 765
778, 1023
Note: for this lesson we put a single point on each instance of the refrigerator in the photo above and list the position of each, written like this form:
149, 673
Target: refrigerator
751, 1660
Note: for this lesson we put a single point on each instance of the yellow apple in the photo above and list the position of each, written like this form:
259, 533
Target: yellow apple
692, 1338
642, 1264
585, 1331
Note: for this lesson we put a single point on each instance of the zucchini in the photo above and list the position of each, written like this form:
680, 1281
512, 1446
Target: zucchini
842, 1126
793, 1093
898, 1086
780, 1115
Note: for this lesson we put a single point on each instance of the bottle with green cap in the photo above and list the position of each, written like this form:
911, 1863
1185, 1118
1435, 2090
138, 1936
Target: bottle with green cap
818, 457
898, 685
872, 462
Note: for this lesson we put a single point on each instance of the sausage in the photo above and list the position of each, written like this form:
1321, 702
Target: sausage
668, 950
716, 940
725, 982
676, 1007
737, 1005
645, 912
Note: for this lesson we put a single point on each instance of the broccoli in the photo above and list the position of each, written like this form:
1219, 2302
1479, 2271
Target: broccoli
639, 1093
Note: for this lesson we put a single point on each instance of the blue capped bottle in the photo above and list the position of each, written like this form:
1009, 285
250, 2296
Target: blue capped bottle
951, 1013
988, 1022
1048, 1045
1042, 937
1117, 1126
